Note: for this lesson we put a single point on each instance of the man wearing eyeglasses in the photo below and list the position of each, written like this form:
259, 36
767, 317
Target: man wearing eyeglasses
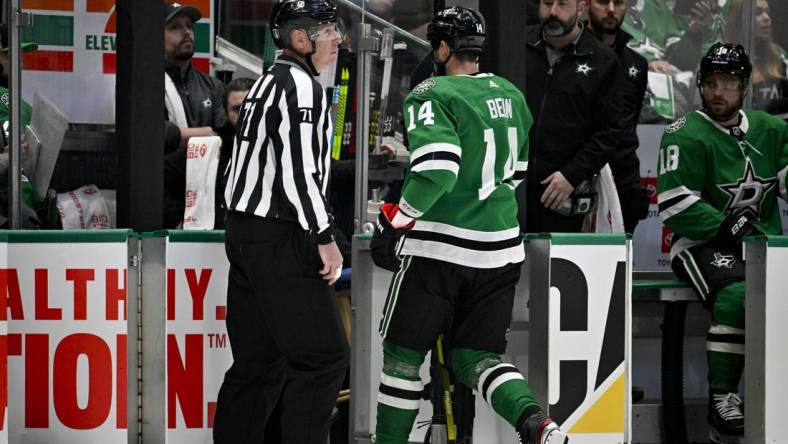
721, 170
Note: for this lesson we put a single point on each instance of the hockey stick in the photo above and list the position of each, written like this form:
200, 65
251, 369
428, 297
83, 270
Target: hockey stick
442, 429
339, 126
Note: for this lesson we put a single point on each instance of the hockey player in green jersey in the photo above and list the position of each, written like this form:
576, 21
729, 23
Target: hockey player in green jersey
721, 171
456, 232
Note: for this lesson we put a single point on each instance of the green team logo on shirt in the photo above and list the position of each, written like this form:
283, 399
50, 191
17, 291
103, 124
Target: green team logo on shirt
424, 86
677, 125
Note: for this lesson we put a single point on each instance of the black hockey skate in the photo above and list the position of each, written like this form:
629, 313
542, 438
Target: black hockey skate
726, 419
539, 429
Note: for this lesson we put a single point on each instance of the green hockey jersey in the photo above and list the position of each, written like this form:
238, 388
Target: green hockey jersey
468, 142
706, 172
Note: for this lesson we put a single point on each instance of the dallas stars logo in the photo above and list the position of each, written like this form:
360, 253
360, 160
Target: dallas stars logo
748, 192
633, 72
723, 261
583, 68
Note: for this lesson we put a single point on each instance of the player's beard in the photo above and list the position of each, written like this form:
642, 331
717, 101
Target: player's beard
555, 27
599, 25
725, 114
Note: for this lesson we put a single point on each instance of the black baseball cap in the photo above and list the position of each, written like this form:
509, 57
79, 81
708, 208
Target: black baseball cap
173, 9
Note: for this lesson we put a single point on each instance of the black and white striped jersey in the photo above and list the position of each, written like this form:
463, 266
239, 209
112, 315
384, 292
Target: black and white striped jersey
281, 156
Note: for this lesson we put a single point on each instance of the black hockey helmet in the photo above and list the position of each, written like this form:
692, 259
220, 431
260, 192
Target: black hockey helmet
725, 58
299, 14
463, 29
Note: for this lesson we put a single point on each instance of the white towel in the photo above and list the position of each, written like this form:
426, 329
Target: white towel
173, 103
606, 217
202, 163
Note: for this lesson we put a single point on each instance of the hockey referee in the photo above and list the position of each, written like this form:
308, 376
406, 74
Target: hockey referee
289, 349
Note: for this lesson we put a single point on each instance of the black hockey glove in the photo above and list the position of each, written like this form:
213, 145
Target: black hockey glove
734, 228
386, 239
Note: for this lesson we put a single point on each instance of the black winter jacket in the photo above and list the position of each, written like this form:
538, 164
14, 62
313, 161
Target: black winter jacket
575, 105
203, 102
632, 88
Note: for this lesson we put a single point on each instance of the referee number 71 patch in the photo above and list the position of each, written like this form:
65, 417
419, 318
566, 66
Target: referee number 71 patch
305, 114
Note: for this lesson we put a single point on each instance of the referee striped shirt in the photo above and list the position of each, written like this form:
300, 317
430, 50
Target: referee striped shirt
281, 156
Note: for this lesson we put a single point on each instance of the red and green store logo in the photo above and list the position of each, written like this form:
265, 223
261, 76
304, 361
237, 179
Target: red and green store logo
55, 22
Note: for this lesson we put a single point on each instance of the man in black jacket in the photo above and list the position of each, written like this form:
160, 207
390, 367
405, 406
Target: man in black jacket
605, 19
571, 84
203, 108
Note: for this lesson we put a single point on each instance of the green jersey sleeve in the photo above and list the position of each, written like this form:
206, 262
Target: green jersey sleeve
434, 153
682, 172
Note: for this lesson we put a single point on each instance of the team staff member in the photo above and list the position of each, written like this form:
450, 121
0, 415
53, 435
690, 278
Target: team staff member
288, 344
605, 19
571, 84
201, 98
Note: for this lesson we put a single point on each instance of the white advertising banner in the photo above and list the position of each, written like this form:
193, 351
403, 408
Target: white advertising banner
3, 345
589, 320
64, 297
198, 350
775, 428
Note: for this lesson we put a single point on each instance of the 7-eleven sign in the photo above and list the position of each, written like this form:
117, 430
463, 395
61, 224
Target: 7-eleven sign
77, 58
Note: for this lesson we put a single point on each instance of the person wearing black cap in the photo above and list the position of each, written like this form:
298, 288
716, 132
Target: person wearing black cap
194, 105
290, 353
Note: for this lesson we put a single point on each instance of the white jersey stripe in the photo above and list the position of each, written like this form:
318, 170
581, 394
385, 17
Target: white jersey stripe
404, 404
725, 347
432, 165
484, 236
463, 256
725, 330
403, 384
506, 377
678, 207
675, 192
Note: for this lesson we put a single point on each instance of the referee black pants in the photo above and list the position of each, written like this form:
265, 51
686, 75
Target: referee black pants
289, 349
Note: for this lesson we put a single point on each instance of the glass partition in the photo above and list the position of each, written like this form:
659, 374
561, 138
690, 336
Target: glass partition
68, 175
386, 78
245, 24
396, 28
770, 65
673, 35
69, 61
